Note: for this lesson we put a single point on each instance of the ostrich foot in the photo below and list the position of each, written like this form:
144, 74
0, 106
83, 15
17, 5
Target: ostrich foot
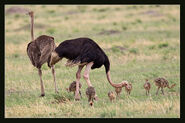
42, 95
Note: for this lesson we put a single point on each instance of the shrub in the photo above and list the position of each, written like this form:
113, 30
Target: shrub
162, 45
51, 11
133, 50
138, 21
124, 27
115, 49
151, 47
16, 55
17, 16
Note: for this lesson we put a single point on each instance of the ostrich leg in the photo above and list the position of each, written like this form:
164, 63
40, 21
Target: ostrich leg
162, 90
41, 82
53, 72
86, 76
157, 91
86, 73
78, 76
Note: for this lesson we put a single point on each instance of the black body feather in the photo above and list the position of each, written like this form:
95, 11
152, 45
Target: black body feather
83, 50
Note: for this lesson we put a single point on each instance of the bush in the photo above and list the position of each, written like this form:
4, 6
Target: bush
162, 45
133, 50
115, 49
51, 11
151, 47
124, 27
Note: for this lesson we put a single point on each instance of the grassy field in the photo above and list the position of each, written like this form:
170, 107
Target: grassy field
141, 41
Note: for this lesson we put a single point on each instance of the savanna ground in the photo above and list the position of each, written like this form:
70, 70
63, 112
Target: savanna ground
141, 41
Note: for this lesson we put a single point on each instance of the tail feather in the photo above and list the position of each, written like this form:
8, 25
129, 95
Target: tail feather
71, 63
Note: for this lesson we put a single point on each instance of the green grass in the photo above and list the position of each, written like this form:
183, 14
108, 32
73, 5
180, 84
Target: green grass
145, 45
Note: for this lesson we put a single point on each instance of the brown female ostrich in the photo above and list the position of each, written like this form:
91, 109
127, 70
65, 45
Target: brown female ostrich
81, 52
39, 52
162, 83
72, 87
91, 95
147, 86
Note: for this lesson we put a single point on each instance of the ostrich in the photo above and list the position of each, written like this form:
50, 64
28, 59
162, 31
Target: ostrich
83, 52
91, 94
162, 83
128, 88
72, 87
119, 89
39, 52
147, 86
111, 96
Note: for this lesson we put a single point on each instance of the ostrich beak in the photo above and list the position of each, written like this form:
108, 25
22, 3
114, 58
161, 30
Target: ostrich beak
30, 13
91, 103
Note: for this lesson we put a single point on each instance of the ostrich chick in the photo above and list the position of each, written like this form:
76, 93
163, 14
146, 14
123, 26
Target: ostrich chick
128, 88
119, 89
72, 87
91, 95
162, 83
147, 86
111, 96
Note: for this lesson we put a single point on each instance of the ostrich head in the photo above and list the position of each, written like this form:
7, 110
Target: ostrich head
124, 83
30, 13
111, 94
91, 103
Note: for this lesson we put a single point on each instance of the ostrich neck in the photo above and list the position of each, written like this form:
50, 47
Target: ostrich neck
118, 85
32, 22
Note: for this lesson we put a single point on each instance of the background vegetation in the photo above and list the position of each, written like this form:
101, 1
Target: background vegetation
141, 41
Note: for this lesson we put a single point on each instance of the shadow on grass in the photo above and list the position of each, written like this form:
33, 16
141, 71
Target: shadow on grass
62, 98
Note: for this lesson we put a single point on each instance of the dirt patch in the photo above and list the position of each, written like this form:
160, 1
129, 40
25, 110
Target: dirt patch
174, 93
17, 10
27, 27
116, 49
152, 13
121, 48
10, 91
71, 12
109, 32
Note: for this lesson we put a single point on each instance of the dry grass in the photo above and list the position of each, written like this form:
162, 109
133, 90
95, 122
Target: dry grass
146, 108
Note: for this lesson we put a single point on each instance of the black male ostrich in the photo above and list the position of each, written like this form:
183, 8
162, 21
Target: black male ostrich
81, 52
39, 52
